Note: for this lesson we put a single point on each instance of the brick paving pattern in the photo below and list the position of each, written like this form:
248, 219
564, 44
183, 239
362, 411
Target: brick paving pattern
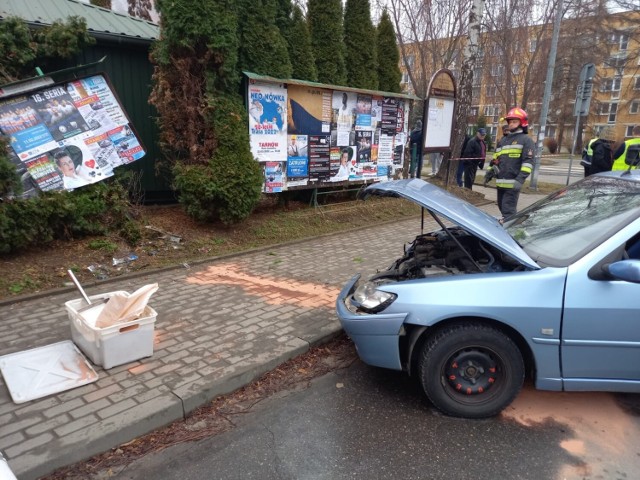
220, 325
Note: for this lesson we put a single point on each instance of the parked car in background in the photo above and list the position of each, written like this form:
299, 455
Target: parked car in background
472, 307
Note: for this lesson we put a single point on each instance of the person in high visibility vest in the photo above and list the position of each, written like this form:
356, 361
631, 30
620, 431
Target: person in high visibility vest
627, 152
587, 156
513, 161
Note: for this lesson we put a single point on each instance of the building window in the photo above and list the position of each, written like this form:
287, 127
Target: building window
497, 70
613, 108
629, 131
405, 77
474, 111
615, 61
636, 83
410, 60
634, 107
492, 91
622, 39
532, 45
615, 87
475, 93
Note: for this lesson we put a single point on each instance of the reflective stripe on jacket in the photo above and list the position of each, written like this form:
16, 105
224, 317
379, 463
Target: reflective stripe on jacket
620, 162
588, 158
515, 159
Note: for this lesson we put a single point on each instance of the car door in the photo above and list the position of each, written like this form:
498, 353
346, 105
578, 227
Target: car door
600, 347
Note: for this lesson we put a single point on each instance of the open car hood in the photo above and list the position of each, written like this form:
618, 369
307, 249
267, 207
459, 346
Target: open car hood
456, 210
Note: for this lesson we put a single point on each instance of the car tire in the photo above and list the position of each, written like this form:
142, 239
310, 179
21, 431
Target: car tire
471, 370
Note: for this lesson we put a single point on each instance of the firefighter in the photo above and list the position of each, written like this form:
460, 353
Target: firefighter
513, 161
628, 151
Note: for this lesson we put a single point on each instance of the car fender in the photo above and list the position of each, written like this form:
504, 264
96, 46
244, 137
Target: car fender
526, 303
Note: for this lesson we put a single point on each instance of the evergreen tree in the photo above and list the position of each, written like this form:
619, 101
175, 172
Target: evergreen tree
284, 11
300, 51
327, 40
361, 52
202, 120
389, 75
263, 49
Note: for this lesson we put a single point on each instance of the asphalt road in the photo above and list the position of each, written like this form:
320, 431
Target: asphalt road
368, 423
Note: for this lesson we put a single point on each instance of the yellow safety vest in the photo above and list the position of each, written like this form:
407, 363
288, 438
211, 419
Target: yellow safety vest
620, 162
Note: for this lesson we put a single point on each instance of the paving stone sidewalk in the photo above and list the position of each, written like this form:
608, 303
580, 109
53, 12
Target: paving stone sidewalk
220, 325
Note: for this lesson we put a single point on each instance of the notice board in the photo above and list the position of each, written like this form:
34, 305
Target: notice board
67, 135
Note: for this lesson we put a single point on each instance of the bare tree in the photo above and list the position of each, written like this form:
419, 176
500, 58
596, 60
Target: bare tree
140, 8
515, 46
431, 35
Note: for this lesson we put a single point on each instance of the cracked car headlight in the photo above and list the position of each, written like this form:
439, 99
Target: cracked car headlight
369, 299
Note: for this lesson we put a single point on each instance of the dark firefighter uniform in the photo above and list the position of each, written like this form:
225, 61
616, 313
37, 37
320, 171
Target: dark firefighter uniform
514, 158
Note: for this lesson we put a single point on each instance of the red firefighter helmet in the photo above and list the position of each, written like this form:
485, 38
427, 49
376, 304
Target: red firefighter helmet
520, 114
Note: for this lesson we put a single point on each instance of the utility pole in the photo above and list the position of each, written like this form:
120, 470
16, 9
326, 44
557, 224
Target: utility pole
547, 95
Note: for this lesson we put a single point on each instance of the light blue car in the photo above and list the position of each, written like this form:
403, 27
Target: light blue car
468, 309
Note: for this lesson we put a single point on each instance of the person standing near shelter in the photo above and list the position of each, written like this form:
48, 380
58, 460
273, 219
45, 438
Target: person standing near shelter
601, 152
474, 155
628, 151
513, 161
415, 146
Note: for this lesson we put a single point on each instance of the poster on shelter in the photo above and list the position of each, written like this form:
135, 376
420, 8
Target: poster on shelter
309, 110
319, 157
56, 134
389, 121
273, 178
267, 121
297, 156
363, 112
44, 171
95, 92
27, 133
344, 115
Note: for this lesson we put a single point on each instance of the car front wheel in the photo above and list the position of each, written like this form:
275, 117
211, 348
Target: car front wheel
471, 370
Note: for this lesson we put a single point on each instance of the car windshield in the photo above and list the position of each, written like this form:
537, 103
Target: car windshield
564, 226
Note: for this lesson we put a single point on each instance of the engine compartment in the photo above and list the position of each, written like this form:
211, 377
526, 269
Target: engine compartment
437, 253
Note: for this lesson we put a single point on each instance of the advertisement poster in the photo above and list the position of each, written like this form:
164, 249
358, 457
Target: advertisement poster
344, 116
94, 109
127, 146
363, 141
297, 156
26, 131
319, 157
363, 112
273, 180
389, 121
322, 135
376, 112
308, 112
57, 134
267, 121
44, 172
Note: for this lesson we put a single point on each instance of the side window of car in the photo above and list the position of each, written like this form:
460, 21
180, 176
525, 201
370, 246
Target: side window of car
633, 247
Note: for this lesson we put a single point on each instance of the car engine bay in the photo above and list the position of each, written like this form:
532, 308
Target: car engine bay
447, 252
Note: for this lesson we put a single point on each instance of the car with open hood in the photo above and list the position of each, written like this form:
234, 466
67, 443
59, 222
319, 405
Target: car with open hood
472, 307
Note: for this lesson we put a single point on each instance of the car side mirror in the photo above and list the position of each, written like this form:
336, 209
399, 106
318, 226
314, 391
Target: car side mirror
625, 270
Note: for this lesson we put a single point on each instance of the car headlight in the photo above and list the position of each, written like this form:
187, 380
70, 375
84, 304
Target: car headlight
371, 300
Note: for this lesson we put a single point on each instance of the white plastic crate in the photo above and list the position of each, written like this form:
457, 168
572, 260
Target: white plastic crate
115, 345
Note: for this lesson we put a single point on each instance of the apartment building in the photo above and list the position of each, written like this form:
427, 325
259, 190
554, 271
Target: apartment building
511, 69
